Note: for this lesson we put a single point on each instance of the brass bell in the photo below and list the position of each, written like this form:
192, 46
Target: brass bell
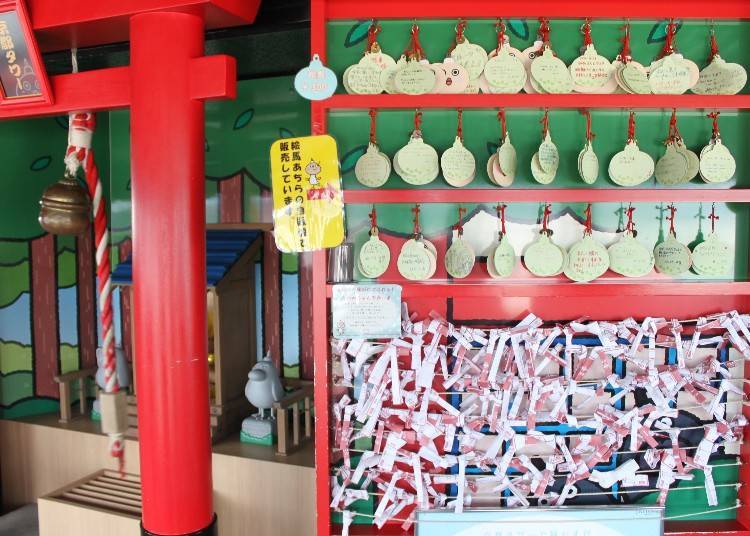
65, 207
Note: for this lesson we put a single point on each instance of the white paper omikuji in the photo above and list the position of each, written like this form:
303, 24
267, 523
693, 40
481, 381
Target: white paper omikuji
401, 406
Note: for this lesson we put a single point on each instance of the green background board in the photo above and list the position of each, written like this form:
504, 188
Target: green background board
437, 219
568, 130
346, 39
238, 136
687, 501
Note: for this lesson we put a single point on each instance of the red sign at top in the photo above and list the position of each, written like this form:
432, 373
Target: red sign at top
22, 75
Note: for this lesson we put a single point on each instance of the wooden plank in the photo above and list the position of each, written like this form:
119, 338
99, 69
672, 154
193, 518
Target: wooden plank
45, 336
107, 505
120, 482
84, 521
235, 334
282, 420
65, 410
231, 197
308, 418
124, 249
272, 341
295, 424
86, 299
94, 485
81, 491
306, 356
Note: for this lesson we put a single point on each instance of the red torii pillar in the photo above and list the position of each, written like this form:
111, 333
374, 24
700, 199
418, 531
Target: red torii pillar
169, 274
165, 86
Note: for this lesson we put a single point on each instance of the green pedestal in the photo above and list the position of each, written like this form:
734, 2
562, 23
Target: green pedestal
258, 431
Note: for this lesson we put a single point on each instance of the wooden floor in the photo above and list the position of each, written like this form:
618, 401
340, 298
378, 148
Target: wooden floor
253, 487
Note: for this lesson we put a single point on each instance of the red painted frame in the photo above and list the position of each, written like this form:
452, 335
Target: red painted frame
323, 11
167, 136
46, 98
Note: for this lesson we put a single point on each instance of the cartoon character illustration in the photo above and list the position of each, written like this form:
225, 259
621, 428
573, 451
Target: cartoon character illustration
313, 169
263, 386
28, 83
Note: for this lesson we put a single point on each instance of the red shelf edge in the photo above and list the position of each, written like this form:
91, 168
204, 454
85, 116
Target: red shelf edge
484, 288
556, 9
550, 195
525, 100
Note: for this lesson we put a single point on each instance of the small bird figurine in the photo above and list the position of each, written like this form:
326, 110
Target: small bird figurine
263, 386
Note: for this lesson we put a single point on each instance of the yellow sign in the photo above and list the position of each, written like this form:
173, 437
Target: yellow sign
308, 206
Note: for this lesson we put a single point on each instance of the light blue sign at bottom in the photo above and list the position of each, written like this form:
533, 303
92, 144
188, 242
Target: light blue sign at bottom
560, 521
368, 311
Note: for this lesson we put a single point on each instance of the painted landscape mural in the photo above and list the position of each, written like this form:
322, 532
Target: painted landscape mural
48, 321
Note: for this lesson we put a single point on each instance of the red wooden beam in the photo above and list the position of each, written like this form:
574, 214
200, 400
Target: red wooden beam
556, 9
550, 195
62, 24
212, 77
526, 100
536, 288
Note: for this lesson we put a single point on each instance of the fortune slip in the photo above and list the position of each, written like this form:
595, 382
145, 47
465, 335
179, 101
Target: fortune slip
413, 434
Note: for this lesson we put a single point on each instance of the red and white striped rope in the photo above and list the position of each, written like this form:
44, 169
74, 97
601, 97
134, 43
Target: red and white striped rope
80, 134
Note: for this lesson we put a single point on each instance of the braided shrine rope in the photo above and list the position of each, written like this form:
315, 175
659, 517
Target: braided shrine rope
79, 153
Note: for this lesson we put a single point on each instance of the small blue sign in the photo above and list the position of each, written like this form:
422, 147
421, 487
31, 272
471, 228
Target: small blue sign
554, 521
316, 81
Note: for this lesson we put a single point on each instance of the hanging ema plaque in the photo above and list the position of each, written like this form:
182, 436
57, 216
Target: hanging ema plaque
22, 75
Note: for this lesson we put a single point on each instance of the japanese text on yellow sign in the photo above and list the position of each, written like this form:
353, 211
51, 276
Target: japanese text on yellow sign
308, 208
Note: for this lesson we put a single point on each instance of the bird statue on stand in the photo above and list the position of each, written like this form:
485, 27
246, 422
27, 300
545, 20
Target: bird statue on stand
263, 388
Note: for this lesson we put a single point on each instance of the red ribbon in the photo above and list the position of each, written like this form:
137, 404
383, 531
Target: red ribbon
545, 217
715, 124
416, 210
460, 226
460, 29
670, 219
713, 217
589, 135
545, 123
460, 125
372, 34
589, 226
669, 40
373, 217
631, 127
373, 125
414, 49
500, 28
418, 120
625, 52
544, 31
714, 47
630, 226
503, 126
500, 209
674, 133
586, 28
